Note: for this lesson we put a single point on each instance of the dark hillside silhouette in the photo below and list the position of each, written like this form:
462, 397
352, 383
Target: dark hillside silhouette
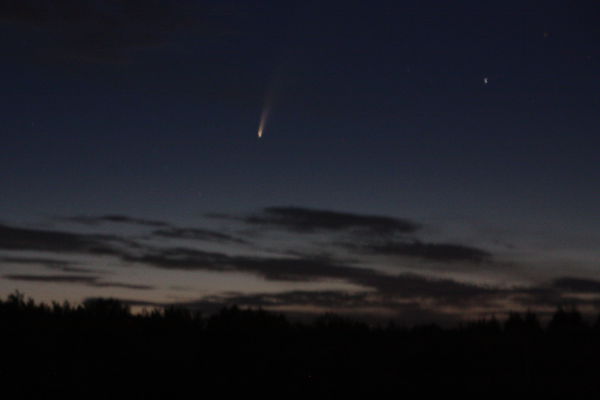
99, 348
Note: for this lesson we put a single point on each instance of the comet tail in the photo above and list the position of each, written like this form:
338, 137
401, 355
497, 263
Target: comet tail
263, 120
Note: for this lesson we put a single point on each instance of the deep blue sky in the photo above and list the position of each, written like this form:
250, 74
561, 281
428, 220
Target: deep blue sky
150, 110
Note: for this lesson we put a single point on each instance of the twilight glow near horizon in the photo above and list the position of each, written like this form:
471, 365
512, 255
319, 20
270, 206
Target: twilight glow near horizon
424, 161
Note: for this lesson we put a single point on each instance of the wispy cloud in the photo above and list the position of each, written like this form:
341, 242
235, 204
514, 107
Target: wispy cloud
363, 234
87, 280
443, 252
305, 220
319, 269
198, 234
50, 263
577, 285
117, 219
167, 230
364, 241
14, 238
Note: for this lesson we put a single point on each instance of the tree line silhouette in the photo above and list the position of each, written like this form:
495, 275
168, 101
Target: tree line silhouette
100, 348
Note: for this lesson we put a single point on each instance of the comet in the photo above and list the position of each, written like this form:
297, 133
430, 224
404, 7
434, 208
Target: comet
272, 92
264, 116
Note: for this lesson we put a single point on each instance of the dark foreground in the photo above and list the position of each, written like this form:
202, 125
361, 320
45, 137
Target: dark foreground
101, 350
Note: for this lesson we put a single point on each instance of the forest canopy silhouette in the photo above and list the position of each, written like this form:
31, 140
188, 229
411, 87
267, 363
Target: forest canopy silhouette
101, 346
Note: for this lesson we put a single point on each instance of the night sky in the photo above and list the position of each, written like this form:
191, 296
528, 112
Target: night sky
424, 160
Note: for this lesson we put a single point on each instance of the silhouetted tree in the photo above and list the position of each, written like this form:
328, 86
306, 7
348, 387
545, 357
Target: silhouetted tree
518, 325
566, 321
236, 319
337, 322
597, 323
106, 308
100, 347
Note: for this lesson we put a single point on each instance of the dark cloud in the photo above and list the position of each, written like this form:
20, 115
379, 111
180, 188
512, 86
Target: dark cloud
378, 289
35, 260
122, 285
50, 263
443, 252
561, 291
52, 278
75, 270
272, 268
198, 234
577, 285
374, 235
118, 219
279, 269
294, 269
182, 258
325, 299
441, 291
536, 296
404, 286
304, 220
93, 281
167, 230
298, 269
95, 30
12, 238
